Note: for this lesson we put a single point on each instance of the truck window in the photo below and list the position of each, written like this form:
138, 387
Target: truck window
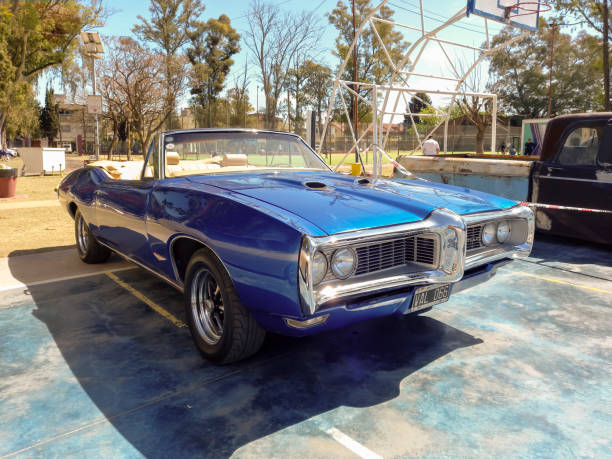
581, 147
605, 153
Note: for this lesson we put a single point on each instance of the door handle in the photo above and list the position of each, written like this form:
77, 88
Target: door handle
550, 169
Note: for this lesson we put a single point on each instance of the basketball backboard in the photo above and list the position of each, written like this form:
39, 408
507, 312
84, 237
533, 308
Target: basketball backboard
519, 13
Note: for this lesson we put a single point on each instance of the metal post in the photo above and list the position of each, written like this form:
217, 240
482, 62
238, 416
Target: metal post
355, 101
257, 114
550, 75
493, 124
606, 54
93, 69
376, 158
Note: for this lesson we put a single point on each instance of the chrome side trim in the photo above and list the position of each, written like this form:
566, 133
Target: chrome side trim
130, 259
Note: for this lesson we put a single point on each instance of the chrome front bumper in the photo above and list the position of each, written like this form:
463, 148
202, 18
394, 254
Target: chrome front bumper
451, 261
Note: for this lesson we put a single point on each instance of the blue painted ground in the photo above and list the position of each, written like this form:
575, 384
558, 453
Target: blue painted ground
519, 366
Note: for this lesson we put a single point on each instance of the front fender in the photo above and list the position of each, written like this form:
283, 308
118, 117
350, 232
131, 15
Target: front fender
259, 251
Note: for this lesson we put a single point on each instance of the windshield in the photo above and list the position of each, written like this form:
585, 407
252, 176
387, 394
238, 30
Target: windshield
196, 153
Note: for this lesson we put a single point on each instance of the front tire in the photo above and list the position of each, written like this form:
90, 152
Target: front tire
90, 250
221, 327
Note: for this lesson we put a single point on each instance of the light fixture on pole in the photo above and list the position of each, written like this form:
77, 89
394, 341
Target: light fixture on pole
94, 50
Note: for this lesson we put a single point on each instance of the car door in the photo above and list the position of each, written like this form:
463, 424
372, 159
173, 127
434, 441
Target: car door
121, 210
578, 176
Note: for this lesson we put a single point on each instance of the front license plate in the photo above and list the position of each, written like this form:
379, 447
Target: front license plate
430, 295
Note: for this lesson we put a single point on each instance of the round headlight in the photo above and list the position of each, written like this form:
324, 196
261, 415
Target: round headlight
319, 267
488, 233
503, 231
343, 262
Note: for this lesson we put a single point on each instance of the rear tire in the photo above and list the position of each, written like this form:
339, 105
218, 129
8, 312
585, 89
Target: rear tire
221, 327
90, 250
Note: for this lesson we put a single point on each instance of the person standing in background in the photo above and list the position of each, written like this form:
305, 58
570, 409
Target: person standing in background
430, 147
529, 147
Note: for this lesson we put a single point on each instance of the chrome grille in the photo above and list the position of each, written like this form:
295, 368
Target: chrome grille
474, 237
389, 254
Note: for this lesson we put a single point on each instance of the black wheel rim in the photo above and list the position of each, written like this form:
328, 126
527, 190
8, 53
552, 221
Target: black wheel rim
207, 306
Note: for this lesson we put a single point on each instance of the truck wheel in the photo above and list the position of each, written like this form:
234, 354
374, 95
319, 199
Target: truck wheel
90, 251
221, 327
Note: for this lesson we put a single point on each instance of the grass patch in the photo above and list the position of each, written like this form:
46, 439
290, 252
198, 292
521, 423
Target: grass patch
37, 188
35, 228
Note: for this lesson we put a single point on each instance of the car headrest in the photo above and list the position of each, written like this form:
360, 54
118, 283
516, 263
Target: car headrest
236, 159
172, 158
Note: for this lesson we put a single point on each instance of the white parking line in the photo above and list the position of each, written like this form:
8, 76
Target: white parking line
5, 288
351, 444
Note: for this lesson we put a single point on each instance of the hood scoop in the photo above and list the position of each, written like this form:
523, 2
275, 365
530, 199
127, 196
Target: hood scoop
317, 186
363, 181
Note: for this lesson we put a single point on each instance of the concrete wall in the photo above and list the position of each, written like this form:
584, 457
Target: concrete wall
507, 178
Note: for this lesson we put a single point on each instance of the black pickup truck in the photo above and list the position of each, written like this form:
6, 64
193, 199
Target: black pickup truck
574, 170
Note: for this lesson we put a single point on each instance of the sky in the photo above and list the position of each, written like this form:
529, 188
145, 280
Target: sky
469, 31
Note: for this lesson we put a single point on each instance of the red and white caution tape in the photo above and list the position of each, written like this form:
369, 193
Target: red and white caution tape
556, 207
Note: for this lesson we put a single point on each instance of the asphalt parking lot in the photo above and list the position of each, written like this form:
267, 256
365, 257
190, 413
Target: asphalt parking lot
102, 366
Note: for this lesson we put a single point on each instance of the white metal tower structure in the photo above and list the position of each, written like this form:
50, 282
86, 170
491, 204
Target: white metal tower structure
384, 98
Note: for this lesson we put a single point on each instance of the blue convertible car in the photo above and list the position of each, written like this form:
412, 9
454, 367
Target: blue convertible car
261, 235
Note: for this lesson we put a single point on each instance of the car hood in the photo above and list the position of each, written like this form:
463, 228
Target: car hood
343, 204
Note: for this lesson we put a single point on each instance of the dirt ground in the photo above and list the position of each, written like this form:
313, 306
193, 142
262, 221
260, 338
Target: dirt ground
27, 228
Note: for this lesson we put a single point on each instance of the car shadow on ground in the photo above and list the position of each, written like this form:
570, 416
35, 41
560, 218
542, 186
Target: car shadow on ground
577, 256
145, 376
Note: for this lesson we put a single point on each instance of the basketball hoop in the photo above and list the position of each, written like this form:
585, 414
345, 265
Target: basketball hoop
525, 8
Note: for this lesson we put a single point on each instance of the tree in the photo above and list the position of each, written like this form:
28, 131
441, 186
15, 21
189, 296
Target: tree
520, 75
418, 103
595, 13
114, 98
173, 23
139, 80
210, 55
36, 36
476, 110
274, 39
238, 99
318, 87
296, 85
372, 63
49, 117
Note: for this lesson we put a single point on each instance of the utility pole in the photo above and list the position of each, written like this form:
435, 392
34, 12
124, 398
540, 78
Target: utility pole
606, 54
550, 75
355, 86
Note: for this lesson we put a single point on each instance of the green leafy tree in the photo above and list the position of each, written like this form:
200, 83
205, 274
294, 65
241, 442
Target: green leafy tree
520, 73
172, 25
49, 118
296, 91
418, 103
210, 54
596, 15
372, 63
318, 87
35, 36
